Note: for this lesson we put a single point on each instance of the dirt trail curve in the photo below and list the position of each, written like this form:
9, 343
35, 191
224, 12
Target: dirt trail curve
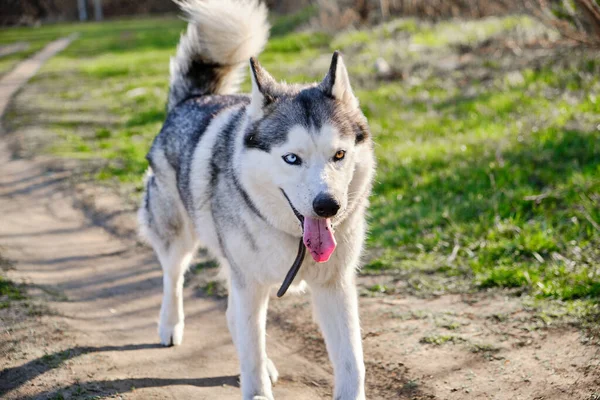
110, 291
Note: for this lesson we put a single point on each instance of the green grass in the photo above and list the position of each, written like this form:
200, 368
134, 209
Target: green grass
284, 24
517, 196
482, 178
469, 32
98, 38
9, 291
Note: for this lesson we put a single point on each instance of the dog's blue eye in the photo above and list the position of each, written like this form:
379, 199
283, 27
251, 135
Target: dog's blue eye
292, 159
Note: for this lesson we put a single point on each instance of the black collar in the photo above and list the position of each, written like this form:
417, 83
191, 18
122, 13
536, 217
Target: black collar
289, 278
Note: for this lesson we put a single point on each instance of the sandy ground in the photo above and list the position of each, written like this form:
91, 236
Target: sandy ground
97, 295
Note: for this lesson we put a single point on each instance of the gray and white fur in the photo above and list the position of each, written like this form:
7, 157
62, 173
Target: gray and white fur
220, 171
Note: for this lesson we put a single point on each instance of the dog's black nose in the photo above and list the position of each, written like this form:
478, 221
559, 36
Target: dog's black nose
325, 205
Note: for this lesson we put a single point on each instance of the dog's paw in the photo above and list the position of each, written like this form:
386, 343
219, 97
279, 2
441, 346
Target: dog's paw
273, 374
170, 335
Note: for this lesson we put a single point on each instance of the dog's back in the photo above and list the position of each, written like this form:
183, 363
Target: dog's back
205, 73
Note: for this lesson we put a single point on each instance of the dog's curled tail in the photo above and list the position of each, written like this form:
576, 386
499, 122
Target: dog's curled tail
221, 37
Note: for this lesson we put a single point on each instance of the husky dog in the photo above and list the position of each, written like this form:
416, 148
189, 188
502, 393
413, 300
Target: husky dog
251, 176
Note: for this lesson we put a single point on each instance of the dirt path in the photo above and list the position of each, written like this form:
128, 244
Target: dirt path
15, 79
12, 48
101, 335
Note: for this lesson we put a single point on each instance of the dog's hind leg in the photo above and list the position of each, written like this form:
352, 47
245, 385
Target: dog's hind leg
174, 261
165, 225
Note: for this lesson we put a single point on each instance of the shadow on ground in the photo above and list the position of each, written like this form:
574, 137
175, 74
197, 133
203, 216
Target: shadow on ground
12, 378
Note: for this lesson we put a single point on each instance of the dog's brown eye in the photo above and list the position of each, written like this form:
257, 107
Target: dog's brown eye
339, 155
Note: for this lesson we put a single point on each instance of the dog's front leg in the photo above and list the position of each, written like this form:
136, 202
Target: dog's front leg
336, 310
249, 301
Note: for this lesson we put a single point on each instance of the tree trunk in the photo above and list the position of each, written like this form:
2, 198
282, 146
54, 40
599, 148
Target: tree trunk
98, 10
385, 8
82, 10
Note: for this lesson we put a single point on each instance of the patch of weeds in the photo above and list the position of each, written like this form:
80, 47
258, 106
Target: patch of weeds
210, 288
102, 133
483, 348
420, 314
213, 289
547, 312
591, 325
10, 291
80, 391
501, 318
508, 277
207, 264
411, 315
56, 360
410, 386
450, 325
377, 288
439, 340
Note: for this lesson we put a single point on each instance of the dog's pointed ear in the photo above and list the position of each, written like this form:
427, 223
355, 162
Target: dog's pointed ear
337, 83
263, 89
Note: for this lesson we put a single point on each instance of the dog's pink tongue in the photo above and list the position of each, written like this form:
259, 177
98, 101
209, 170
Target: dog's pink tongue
318, 238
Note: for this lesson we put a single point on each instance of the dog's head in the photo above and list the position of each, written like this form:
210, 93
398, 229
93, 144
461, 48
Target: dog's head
309, 146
